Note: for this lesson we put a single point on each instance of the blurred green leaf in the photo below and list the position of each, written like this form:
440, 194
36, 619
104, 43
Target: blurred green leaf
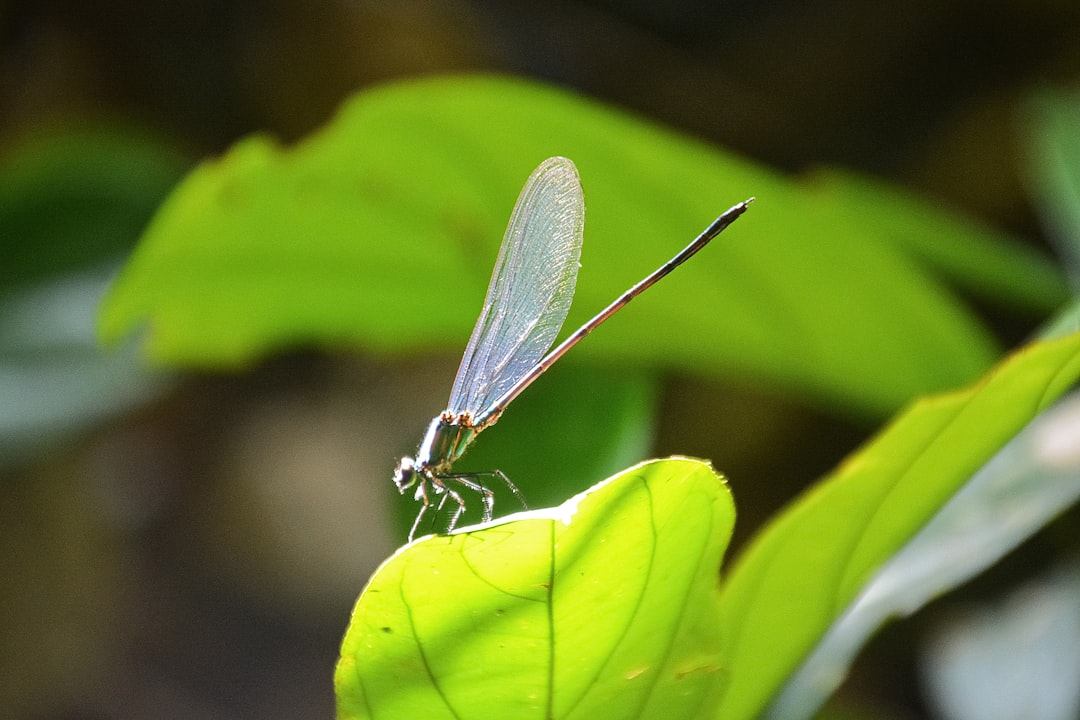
1054, 170
806, 568
72, 201
603, 606
73, 197
380, 232
980, 260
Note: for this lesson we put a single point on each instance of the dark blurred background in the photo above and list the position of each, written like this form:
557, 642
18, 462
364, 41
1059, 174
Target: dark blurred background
191, 546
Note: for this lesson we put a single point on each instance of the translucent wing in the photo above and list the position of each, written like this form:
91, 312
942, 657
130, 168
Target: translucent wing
531, 288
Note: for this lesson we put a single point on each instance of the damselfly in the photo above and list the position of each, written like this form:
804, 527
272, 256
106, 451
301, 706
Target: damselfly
527, 301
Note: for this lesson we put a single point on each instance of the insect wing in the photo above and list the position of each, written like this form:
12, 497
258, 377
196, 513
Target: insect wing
531, 288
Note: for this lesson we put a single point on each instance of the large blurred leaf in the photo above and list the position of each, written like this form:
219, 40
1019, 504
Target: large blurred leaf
982, 261
601, 607
381, 230
801, 574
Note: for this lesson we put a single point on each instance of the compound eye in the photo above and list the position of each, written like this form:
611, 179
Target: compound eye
405, 474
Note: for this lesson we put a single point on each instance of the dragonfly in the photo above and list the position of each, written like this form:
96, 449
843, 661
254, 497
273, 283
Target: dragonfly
527, 301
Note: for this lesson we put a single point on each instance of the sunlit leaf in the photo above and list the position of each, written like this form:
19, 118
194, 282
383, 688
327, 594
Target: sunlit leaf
604, 606
802, 573
1027, 484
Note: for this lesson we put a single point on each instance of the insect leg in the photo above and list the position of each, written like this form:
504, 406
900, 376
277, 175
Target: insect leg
513, 488
422, 496
487, 495
456, 515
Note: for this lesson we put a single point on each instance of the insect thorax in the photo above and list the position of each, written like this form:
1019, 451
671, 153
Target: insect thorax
443, 443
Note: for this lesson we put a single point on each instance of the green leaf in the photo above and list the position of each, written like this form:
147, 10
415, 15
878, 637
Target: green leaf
75, 197
604, 605
72, 201
806, 568
380, 232
1028, 483
982, 261
1054, 170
